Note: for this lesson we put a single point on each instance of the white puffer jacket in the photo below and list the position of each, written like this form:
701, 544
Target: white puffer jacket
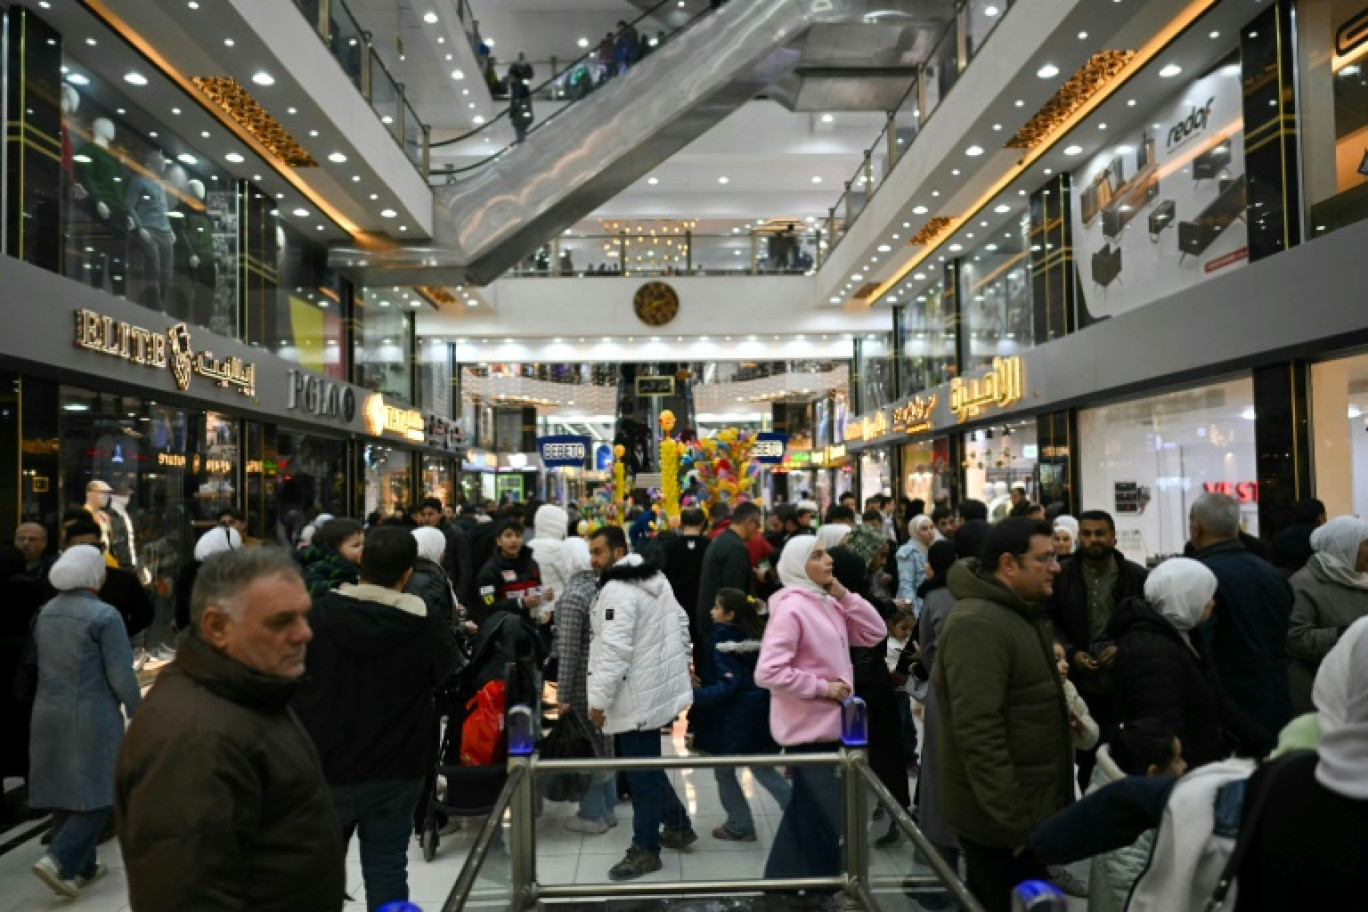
640, 650
548, 547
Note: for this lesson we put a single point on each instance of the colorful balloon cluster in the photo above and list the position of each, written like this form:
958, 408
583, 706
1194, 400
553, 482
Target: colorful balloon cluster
723, 465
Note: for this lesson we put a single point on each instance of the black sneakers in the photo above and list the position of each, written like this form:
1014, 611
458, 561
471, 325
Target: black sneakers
636, 863
678, 839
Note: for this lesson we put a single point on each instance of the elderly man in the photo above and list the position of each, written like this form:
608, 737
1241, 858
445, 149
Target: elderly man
1248, 631
220, 800
32, 539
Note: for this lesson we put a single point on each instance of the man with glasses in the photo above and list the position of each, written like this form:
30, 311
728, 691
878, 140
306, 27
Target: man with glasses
1006, 752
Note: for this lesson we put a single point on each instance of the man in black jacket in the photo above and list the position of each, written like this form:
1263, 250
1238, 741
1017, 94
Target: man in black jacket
456, 560
367, 701
1089, 589
727, 565
681, 558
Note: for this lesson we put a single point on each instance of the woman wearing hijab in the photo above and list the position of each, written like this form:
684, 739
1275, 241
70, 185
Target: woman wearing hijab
1065, 538
1331, 593
429, 580
912, 560
1308, 846
805, 664
937, 602
1163, 668
85, 671
215, 541
833, 535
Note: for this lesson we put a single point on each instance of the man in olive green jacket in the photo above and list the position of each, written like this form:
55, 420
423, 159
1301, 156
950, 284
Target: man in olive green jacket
1005, 759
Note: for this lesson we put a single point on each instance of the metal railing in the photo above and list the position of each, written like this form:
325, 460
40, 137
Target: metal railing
671, 253
957, 45
519, 888
351, 46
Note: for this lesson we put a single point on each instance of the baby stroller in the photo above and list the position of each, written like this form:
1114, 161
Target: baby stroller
471, 791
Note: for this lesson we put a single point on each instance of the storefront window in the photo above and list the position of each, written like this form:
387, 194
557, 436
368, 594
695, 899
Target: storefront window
875, 474
438, 478
384, 343
388, 479
146, 215
997, 459
996, 281
875, 369
436, 378
1147, 460
1332, 46
1339, 421
927, 473
928, 347
311, 474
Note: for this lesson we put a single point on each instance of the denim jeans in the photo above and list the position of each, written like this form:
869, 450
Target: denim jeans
808, 842
739, 819
909, 725
600, 797
653, 797
75, 834
382, 814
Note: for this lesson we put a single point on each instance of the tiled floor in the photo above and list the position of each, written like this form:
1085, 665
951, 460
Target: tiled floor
562, 856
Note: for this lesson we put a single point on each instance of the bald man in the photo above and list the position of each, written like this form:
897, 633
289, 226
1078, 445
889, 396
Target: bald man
32, 539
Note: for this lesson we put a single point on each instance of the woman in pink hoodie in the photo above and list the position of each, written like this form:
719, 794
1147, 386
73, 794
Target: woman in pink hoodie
805, 664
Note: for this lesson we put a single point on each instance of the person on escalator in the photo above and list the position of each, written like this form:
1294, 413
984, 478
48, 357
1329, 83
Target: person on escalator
519, 104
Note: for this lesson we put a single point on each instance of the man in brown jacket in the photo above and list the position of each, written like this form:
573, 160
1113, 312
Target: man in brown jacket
220, 800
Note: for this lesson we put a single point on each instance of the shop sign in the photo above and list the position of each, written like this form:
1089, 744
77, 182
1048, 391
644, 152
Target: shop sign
161, 350
382, 418
564, 451
443, 433
798, 458
914, 416
834, 454
1000, 388
769, 447
320, 397
870, 427
1244, 492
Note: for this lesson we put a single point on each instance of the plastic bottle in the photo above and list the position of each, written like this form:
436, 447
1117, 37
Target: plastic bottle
854, 722
522, 737
400, 907
1038, 896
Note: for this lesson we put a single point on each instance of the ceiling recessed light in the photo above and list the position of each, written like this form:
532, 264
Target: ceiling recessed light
857, 278
185, 158
1214, 35
1170, 71
375, 196
77, 79
477, 120
1002, 208
228, 42
652, 181
1130, 103
1048, 71
1101, 126
301, 213
834, 300
1072, 150
263, 78
133, 77
1048, 172
457, 75
816, 179
956, 248
356, 178
91, 42
430, 18
583, 42
920, 210
292, 110
974, 151
313, 133
724, 180
1082, 36
193, 4
388, 213
337, 158
828, 118
1019, 103
234, 157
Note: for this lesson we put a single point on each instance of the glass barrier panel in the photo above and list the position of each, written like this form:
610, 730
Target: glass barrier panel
1332, 82
941, 71
413, 136
898, 870
384, 98
980, 18
346, 42
728, 254
907, 121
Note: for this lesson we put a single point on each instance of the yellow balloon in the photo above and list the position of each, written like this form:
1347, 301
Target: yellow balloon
619, 451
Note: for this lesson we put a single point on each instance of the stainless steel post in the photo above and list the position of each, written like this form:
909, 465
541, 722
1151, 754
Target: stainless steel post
523, 832
856, 843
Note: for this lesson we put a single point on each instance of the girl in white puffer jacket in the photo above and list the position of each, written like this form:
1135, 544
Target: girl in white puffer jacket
549, 529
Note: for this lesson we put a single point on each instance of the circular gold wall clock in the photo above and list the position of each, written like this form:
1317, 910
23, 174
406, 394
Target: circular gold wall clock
655, 303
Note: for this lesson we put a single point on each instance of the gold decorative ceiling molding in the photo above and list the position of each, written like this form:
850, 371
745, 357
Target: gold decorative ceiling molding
437, 294
247, 112
934, 228
865, 290
1090, 79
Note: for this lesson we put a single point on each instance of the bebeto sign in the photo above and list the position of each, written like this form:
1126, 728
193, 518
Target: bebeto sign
563, 451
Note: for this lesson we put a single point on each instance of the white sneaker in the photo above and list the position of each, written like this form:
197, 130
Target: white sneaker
47, 870
586, 825
1067, 882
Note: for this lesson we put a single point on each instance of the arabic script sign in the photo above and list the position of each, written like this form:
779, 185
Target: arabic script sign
914, 416
171, 348
1000, 387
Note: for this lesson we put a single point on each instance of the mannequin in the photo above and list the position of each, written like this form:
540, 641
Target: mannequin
150, 263
1001, 504
98, 188
71, 100
97, 500
919, 484
198, 266
121, 539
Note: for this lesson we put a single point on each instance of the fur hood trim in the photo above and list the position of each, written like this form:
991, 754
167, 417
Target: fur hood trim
631, 569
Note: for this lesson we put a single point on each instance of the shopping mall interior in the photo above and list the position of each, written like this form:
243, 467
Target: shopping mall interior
342, 256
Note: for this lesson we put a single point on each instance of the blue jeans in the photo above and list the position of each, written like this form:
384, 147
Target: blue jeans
75, 834
653, 797
808, 842
739, 819
600, 797
909, 725
382, 812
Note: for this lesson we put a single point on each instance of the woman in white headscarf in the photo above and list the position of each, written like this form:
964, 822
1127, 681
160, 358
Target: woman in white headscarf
85, 672
1163, 668
429, 580
833, 535
805, 664
1065, 538
921, 533
1331, 593
1308, 846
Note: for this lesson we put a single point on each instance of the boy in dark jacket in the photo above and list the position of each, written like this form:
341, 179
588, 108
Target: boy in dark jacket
510, 580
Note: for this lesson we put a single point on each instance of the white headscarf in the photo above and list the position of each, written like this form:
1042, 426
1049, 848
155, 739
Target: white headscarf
216, 540
832, 534
793, 564
919, 520
577, 555
431, 543
1341, 697
79, 567
1336, 545
1179, 589
1070, 525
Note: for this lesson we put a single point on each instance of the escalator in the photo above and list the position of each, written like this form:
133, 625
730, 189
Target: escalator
644, 392
498, 213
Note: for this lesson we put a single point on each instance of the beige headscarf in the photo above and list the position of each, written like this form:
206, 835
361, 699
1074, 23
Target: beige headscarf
79, 567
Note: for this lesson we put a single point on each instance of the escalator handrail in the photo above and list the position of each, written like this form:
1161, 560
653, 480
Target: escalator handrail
570, 104
465, 883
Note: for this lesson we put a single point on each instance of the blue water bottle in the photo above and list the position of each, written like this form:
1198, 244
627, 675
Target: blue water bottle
400, 907
1038, 896
522, 734
854, 722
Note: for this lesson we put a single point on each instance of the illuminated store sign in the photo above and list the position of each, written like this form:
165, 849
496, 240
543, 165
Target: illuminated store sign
382, 418
999, 388
870, 427
171, 348
915, 416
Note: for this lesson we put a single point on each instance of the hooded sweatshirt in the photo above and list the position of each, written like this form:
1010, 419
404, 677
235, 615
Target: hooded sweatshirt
373, 663
548, 547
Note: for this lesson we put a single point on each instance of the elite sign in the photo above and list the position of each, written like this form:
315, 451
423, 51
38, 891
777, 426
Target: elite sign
564, 451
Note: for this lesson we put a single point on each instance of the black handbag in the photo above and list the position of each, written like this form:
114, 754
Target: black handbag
571, 738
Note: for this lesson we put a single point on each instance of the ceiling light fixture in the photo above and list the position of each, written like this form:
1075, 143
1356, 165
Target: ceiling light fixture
1002, 208
388, 213
228, 42
77, 79
1170, 71
1072, 150
133, 77
583, 42
652, 181
263, 78
234, 157
457, 75
974, 151
918, 210
185, 158
337, 158
430, 18
301, 213
724, 180
1048, 71
816, 179
828, 118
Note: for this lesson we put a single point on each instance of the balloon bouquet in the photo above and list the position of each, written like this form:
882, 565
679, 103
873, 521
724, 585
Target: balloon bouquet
724, 466
670, 453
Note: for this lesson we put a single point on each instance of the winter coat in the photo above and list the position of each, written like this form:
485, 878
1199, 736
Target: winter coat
937, 602
1248, 633
738, 717
573, 610
806, 645
911, 572
502, 584
548, 547
640, 651
220, 800
515, 640
1068, 608
1321, 609
1004, 743
22, 597
431, 584
123, 592
726, 565
1161, 673
325, 569
456, 560
681, 560
85, 671
375, 659
1115, 872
